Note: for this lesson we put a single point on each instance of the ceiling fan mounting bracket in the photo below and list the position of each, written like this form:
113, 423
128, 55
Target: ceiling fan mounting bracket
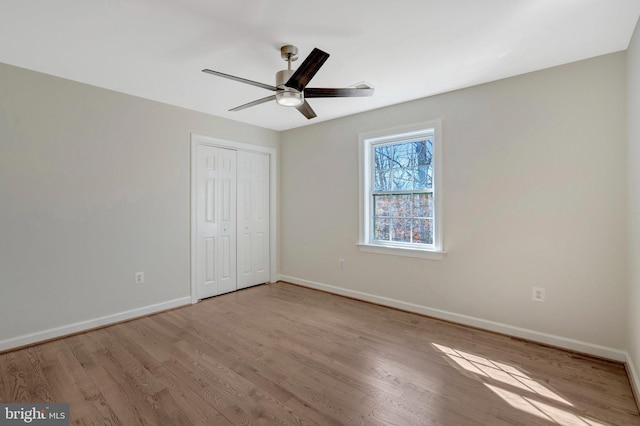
289, 53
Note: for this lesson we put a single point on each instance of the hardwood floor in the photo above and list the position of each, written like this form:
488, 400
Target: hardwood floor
283, 354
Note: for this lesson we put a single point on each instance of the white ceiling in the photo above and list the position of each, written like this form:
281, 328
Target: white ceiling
406, 49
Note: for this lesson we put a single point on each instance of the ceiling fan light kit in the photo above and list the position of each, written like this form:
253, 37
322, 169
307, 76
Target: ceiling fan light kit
287, 96
291, 85
290, 98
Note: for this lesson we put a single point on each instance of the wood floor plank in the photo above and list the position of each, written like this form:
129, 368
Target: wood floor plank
15, 378
245, 394
71, 384
283, 354
251, 369
197, 408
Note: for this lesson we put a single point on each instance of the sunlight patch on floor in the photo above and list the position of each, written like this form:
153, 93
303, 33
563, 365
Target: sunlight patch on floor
540, 409
526, 395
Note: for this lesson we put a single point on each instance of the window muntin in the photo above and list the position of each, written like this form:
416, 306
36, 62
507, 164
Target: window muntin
402, 192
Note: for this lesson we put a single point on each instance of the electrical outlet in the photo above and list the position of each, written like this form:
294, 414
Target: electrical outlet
139, 278
538, 294
341, 263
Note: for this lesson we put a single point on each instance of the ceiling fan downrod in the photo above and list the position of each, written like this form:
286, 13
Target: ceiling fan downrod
288, 96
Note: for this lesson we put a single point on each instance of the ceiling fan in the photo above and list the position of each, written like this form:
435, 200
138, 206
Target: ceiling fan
291, 85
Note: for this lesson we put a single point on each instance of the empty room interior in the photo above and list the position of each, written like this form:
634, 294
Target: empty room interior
296, 212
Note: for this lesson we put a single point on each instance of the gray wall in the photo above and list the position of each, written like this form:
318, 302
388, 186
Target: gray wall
633, 114
94, 186
534, 195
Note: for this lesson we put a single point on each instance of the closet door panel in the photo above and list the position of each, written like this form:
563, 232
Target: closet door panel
253, 219
215, 221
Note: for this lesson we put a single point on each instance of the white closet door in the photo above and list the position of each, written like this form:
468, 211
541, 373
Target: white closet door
216, 221
253, 219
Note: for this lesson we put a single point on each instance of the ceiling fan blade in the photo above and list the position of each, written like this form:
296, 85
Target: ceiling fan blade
306, 110
350, 92
254, 103
305, 72
241, 80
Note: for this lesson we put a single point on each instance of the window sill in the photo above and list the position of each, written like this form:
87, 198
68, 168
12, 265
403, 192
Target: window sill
401, 251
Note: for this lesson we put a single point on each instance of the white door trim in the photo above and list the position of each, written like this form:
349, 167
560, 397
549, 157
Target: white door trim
273, 175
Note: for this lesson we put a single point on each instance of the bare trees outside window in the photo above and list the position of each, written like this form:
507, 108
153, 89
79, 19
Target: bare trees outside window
402, 191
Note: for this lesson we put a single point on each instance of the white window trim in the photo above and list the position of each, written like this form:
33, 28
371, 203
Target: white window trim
387, 135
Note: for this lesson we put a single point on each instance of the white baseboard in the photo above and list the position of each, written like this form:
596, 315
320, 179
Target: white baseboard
65, 330
535, 336
634, 379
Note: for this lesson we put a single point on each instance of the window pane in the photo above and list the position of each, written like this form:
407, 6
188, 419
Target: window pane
381, 205
403, 155
401, 229
383, 157
423, 151
422, 177
423, 205
383, 181
422, 231
400, 205
402, 179
381, 229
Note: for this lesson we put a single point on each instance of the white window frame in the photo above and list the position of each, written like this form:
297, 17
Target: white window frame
365, 146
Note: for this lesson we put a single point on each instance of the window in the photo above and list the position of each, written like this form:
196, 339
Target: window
400, 191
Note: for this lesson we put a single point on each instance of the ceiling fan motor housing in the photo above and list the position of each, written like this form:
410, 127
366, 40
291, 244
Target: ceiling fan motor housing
282, 77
